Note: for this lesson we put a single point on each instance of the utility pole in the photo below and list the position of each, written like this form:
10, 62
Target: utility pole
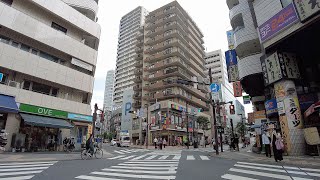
214, 116
94, 118
147, 130
220, 127
187, 125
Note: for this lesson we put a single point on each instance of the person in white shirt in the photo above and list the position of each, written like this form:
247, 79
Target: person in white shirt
266, 142
155, 141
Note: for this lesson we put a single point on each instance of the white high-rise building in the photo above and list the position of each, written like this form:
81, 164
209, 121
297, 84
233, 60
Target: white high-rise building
108, 92
128, 30
48, 56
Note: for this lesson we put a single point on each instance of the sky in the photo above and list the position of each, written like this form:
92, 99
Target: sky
211, 16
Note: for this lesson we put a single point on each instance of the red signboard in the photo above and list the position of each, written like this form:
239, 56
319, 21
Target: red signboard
237, 89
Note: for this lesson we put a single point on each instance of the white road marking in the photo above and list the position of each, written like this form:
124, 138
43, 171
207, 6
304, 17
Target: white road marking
190, 158
17, 178
309, 169
297, 172
256, 164
289, 167
134, 175
19, 173
151, 157
31, 165
177, 157
145, 168
313, 174
204, 158
148, 162
125, 151
95, 178
128, 157
234, 177
137, 171
300, 178
23, 169
150, 165
27, 163
260, 168
261, 174
117, 157
139, 157
163, 157
162, 160
118, 152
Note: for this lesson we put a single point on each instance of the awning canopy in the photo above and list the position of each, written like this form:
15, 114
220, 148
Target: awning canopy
256, 126
80, 123
45, 121
8, 104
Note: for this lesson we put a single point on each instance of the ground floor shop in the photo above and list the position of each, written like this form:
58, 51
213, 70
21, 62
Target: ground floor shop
176, 137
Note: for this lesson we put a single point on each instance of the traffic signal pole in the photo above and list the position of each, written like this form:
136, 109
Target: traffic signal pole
214, 116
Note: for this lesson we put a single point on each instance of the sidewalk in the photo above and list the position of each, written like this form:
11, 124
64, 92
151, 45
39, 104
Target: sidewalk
245, 154
43, 156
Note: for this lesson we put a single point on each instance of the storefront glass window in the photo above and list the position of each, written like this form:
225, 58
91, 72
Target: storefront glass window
3, 120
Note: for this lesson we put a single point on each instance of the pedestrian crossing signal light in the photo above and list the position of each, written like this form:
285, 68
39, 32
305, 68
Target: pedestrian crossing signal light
231, 108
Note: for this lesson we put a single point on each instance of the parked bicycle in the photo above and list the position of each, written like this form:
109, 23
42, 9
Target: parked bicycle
98, 153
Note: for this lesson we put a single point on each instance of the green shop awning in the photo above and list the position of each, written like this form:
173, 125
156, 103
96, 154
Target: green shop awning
45, 121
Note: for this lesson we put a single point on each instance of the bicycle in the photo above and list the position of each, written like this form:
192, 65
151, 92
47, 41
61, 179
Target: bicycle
98, 153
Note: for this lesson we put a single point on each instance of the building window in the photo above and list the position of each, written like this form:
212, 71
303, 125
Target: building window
41, 88
4, 79
8, 2
58, 27
14, 44
48, 56
35, 52
3, 120
4, 39
25, 47
26, 85
285, 3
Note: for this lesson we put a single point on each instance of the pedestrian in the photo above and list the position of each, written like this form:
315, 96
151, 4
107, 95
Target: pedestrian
266, 142
277, 146
155, 141
236, 141
164, 142
160, 143
213, 144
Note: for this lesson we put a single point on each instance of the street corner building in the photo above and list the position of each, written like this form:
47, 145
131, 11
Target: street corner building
48, 56
169, 49
277, 65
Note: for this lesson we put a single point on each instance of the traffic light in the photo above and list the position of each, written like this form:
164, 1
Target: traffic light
231, 108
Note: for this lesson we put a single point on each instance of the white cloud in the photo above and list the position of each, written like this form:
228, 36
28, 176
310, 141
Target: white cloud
212, 17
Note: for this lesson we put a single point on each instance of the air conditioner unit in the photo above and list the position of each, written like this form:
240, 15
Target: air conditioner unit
14, 84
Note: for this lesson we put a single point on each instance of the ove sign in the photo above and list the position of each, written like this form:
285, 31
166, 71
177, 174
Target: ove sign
45, 111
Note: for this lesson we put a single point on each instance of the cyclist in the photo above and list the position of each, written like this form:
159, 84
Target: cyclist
89, 144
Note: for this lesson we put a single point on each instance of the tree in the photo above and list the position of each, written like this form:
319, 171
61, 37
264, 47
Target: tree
241, 128
203, 123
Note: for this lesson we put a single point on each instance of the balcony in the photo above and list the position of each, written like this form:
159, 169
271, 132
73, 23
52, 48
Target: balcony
88, 7
137, 87
139, 50
232, 3
137, 79
138, 64
42, 100
249, 65
137, 72
136, 104
246, 40
137, 96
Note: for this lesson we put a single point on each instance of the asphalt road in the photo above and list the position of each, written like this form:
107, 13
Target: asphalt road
128, 163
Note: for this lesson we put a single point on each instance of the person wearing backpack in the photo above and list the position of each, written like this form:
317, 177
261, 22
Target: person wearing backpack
277, 146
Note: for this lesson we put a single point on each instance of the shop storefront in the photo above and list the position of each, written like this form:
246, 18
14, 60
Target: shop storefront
80, 130
41, 129
8, 112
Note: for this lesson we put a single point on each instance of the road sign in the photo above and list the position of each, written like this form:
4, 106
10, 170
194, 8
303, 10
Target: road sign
215, 87
1, 77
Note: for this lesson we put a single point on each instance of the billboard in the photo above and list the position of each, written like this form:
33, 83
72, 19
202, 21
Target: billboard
237, 89
126, 116
307, 9
232, 65
282, 20
230, 39
271, 107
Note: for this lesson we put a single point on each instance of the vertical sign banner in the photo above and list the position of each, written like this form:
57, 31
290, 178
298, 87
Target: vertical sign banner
282, 20
290, 68
246, 99
230, 39
126, 117
232, 65
293, 113
271, 107
307, 9
285, 133
237, 89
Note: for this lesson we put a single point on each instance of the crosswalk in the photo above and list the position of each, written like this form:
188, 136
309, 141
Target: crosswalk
253, 171
139, 169
128, 151
151, 156
23, 170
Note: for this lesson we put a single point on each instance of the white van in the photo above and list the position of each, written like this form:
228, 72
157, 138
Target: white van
125, 141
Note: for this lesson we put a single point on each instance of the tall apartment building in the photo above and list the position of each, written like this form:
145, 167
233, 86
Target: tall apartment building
128, 29
169, 48
108, 91
283, 74
48, 55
